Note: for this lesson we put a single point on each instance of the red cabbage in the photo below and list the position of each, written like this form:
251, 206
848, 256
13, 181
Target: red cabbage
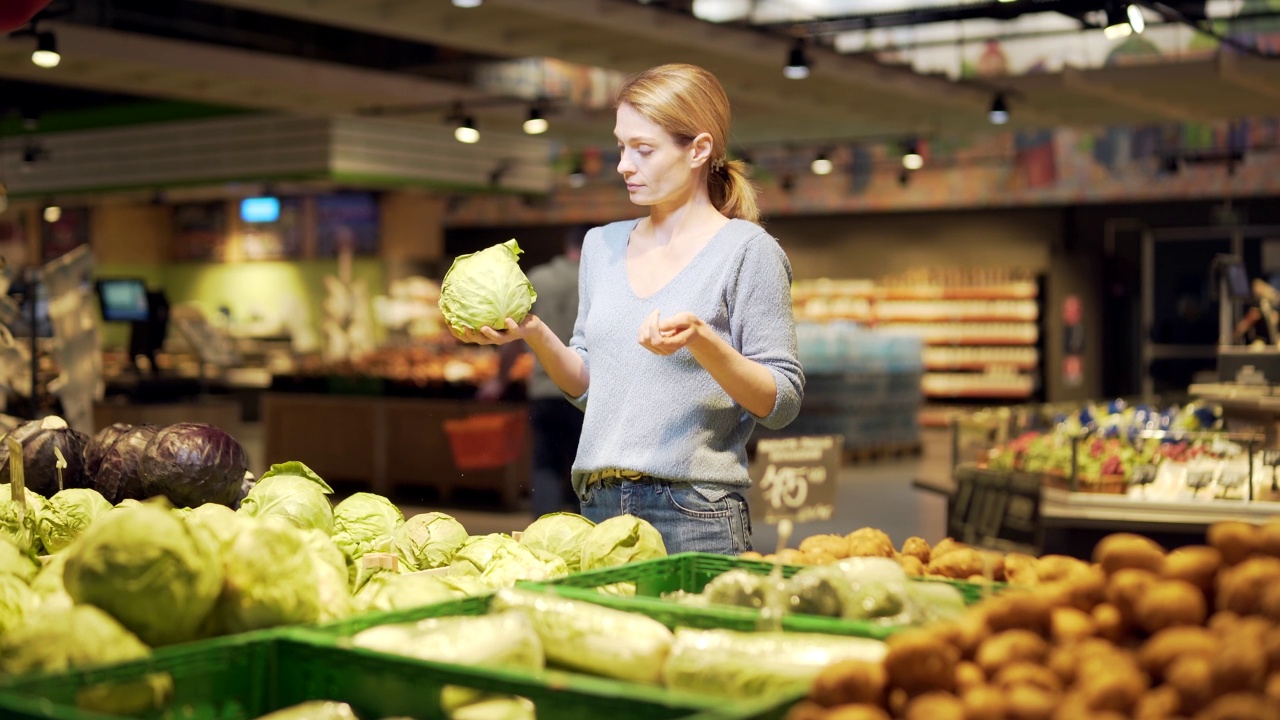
38, 439
118, 477
193, 464
100, 445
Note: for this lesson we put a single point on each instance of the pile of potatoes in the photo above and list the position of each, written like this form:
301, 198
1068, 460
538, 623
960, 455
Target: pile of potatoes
1140, 633
948, 559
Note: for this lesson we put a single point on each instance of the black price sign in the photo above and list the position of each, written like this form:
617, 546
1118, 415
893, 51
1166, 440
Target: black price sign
795, 478
1143, 475
1271, 458
1199, 479
994, 509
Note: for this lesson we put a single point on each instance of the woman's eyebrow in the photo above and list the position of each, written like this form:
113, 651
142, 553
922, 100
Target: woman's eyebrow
637, 138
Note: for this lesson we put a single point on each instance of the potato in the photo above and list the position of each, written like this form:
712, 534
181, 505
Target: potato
1110, 622
1021, 569
1085, 588
870, 542
969, 675
968, 632
1272, 690
789, 556
917, 548
1068, 624
1018, 609
1240, 706
1168, 603
850, 682
1235, 540
958, 564
1239, 667
1124, 588
834, 545
935, 706
1223, 621
751, 555
1159, 703
1025, 673
1126, 550
817, 557
1192, 677
995, 569
919, 661
1271, 646
1025, 702
805, 710
1196, 564
1269, 539
912, 566
1240, 587
856, 712
983, 703
947, 545
1269, 603
1166, 646
1052, 568
1009, 647
898, 699
1062, 661
1116, 688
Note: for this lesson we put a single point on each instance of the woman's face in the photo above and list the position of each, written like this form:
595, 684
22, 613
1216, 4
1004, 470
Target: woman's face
657, 169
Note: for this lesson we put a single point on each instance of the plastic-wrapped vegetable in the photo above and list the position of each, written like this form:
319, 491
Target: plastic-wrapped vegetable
876, 589
118, 477
67, 514
934, 601
40, 439
738, 587
747, 665
500, 639
814, 591
193, 464
314, 710
592, 638
496, 709
397, 592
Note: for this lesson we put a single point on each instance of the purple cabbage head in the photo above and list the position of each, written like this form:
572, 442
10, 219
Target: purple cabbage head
193, 464
118, 476
100, 445
39, 439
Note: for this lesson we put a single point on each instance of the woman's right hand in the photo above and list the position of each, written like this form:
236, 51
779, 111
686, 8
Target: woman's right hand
488, 336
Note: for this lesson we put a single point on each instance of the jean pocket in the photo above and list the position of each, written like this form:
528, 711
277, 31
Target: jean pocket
689, 501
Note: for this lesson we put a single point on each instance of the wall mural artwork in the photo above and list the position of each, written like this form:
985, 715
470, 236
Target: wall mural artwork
1065, 166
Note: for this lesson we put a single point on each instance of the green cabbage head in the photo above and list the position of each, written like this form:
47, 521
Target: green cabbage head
17, 561
620, 540
157, 575
401, 592
293, 492
16, 601
561, 534
485, 288
24, 532
428, 541
48, 585
220, 521
365, 523
67, 514
270, 579
78, 637
478, 552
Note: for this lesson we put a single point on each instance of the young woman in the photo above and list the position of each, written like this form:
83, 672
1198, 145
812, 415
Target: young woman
685, 337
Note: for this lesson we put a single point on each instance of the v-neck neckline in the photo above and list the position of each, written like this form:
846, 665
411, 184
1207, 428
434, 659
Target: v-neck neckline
626, 271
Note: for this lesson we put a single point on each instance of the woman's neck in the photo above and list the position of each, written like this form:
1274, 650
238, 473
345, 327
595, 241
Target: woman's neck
672, 220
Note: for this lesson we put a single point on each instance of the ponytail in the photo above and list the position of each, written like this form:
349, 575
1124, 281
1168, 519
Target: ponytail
732, 192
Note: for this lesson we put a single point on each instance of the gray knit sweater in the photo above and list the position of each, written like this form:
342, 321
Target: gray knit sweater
666, 416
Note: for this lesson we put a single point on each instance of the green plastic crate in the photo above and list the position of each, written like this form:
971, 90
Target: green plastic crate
765, 709
691, 572
235, 679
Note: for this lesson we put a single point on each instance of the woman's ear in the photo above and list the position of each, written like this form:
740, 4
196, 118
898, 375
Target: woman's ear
700, 150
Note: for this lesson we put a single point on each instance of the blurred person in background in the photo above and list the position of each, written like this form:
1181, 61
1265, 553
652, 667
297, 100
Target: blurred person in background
554, 423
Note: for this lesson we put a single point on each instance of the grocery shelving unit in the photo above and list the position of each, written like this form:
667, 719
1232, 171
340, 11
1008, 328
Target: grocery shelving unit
981, 329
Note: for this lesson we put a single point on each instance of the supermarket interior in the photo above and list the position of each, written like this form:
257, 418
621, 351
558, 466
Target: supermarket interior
1010, 389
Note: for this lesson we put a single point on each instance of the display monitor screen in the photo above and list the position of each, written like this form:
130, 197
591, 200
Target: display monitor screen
123, 300
260, 209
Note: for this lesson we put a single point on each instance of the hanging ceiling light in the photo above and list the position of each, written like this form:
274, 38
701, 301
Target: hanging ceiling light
797, 62
1123, 24
721, 11
467, 3
821, 165
999, 112
466, 131
536, 124
52, 214
46, 53
911, 157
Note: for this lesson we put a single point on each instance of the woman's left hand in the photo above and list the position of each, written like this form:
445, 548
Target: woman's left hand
664, 337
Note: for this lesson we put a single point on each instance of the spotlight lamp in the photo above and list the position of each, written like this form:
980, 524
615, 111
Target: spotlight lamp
467, 3
536, 124
46, 53
999, 112
466, 131
1123, 21
797, 67
821, 165
911, 157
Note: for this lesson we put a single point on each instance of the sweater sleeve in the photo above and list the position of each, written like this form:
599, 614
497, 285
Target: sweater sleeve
578, 343
763, 325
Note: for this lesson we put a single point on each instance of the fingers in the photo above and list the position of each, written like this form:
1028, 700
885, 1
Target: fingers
677, 322
512, 325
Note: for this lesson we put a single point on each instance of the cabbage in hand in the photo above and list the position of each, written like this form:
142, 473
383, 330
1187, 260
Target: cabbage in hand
484, 289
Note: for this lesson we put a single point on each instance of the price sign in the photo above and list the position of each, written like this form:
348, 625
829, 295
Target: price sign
795, 479
1143, 475
1271, 458
997, 510
1199, 478
1233, 478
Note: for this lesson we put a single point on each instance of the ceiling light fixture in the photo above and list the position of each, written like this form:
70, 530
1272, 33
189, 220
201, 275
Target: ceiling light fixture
911, 157
1120, 25
721, 11
466, 131
821, 165
52, 214
536, 124
578, 175
797, 62
999, 112
46, 52
467, 3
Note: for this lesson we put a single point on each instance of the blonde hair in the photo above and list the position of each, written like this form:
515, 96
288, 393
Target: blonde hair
686, 101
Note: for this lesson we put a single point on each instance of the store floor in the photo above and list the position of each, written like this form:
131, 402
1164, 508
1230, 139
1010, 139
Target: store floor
877, 494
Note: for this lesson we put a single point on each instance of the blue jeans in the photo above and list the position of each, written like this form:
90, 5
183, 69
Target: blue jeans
690, 520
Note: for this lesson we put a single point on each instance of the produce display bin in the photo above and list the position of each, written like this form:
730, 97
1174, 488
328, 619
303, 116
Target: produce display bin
235, 679
764, 709
691, 572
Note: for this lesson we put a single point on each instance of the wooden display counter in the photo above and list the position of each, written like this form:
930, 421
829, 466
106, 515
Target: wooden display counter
221, 413
385, 442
